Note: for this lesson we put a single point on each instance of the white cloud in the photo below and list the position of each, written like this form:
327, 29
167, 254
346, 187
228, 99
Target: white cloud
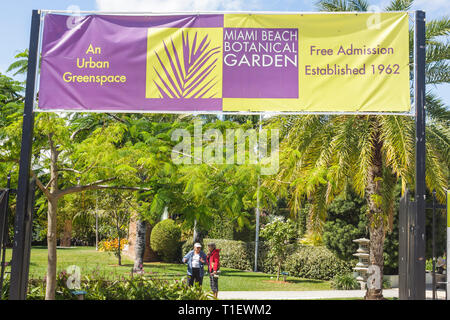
170, 5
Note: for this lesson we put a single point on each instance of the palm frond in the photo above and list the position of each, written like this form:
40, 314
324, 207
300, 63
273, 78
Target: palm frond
436, 175
188, 75
21, 63
436, 109
400, 5
437, 72
333, 5
437, 28
398, 138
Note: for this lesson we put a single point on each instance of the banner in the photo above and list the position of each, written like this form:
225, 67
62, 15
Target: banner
226, 62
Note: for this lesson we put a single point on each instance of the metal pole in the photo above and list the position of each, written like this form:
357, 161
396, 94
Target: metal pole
433, 245
403, 247
18, 286
419, 100
96, 222
258, 200
447, 295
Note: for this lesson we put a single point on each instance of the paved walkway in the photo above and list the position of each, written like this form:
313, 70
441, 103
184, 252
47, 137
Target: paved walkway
310, 295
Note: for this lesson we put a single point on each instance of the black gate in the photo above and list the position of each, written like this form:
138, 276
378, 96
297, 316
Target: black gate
412, 258
4, 218
411, 266
4, 229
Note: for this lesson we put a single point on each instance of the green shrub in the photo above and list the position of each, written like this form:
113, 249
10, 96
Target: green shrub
304, 261
429, 265
315, 263
186, 246
339, 236
5, 288
132, 288
387, 284
346, 221
165, 240
233, 253
345, 281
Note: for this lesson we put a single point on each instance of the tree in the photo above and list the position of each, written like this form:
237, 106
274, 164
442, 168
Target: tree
322, 156
278, 235
21, 64
69, 165
116, 207
66, 162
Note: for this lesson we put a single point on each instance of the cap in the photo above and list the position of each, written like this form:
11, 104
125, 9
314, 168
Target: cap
197, 245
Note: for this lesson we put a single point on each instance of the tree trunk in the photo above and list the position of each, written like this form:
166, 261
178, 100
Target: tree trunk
139, 245
118, 253
196, 236
199, 234
67, 236
376, 260
376, 224
51, 245
51, 223
118, 245
278, 271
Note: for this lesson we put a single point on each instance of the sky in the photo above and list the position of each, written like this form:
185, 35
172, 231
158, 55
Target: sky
15, 17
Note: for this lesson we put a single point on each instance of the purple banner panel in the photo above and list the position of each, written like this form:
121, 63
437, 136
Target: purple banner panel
260, 63
99, 63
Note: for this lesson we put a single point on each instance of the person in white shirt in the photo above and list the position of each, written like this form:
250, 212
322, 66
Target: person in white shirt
195, 259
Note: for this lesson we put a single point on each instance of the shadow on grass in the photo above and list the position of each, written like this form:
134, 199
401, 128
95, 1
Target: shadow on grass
266, 277
245, 274
312, 281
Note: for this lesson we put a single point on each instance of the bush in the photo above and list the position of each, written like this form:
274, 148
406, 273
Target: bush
387, 284
304, 261
233, 253
315, 263
346, 221
112, 245
165, 240
133, 288
186, 246
345, 282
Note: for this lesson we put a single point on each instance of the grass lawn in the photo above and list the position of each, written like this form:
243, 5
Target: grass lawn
105, 264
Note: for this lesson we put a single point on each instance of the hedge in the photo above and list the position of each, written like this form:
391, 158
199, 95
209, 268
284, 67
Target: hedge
165, 239
316, 263
304, 261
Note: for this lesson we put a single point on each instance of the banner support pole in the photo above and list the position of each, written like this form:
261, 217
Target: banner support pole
258, 213
418, 272
447, 278
20, 265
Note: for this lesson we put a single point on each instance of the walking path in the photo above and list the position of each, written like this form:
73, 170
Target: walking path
311, 295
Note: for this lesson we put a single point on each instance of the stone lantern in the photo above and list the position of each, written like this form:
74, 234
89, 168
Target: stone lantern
363, 264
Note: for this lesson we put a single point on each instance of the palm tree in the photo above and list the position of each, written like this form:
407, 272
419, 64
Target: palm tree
323, 156
20, 65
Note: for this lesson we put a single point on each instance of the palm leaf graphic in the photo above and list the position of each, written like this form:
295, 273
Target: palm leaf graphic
187, 75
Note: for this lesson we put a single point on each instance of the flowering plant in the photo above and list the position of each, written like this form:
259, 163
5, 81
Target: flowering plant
112, 245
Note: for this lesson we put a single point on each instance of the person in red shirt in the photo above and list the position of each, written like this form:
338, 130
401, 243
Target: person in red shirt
213, 261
